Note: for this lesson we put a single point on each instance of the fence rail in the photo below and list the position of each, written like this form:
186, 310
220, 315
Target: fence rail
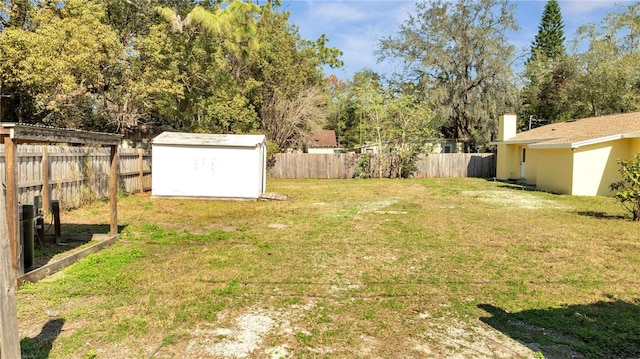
74, 175
446, 165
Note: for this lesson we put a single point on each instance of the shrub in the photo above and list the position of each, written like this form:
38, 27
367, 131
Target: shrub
628, 188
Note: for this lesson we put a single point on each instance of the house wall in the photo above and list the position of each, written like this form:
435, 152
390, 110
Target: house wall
205, 171
321, 150
589, 171
596, 166
634, 146
438, 146
531, 166
554, 170
508, 162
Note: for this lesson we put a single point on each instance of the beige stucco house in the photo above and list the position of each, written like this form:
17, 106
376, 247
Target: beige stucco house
575, 157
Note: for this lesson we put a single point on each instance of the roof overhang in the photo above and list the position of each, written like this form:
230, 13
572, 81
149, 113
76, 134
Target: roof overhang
521, 142
208, 140
25, 133
592, 141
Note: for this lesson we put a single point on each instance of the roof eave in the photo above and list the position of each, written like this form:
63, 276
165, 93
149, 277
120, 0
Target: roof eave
521, 142
592, 141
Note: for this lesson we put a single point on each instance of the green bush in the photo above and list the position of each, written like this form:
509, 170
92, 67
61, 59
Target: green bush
628, 188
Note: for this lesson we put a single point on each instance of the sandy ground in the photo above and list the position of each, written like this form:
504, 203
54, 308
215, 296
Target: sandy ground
446, 338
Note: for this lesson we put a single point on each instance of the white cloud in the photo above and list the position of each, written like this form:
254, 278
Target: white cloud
571, 9
333, 11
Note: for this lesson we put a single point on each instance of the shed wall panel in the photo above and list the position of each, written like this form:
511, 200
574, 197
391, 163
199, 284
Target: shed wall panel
208, 171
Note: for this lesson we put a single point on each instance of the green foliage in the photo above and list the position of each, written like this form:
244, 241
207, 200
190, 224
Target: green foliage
363, 168
120, 65
189, 69
549, 41
628, 188
395, 122
548, 94
601, 80
549, 71
326, 55
457, 56
291, 100
607, 72
62, 61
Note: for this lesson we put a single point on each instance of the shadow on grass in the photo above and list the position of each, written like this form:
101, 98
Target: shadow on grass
514, 185
605, 329
601, 215
40, 345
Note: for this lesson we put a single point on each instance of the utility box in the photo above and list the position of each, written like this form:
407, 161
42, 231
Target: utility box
208, 165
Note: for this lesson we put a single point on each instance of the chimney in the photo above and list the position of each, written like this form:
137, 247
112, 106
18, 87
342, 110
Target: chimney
506, 127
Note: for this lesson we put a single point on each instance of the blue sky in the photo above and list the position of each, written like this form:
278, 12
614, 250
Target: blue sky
354, 26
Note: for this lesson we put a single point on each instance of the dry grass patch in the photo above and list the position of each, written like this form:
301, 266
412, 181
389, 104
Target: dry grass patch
352, 268
514, 199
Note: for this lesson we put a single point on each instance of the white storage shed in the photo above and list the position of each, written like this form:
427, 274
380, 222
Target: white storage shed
208, 165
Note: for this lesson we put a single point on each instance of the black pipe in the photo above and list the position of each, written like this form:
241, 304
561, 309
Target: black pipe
27, 215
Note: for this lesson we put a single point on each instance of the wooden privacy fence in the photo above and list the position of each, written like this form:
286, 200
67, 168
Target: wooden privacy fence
74, 175
313, 165
454, 165
445, 165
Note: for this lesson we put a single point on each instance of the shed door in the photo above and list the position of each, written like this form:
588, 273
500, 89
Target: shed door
523, 158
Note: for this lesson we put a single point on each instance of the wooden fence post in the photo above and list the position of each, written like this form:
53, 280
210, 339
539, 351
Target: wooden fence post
11, 200
141, 169
9, 337
45, 180
113, 190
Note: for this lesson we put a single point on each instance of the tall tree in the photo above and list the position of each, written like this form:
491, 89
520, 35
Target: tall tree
56, 68
291, 99
458, 57
549, 71
608, 74
364, 111
549, 40
191, 68
199, 65
547, 94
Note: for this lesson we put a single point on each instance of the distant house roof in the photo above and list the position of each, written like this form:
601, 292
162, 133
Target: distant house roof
205, 139
577, 133
324, 138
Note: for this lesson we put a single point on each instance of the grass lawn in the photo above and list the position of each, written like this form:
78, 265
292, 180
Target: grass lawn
349, 268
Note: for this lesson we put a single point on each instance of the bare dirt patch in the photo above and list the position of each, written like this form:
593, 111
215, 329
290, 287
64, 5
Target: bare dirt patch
237, 342
262, 333
516, 199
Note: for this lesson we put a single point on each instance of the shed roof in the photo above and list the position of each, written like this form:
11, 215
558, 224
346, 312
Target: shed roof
324, 138
577, 133
207, 139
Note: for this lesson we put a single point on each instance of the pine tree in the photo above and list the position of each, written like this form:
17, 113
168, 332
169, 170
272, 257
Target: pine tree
548, 70
550, 38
